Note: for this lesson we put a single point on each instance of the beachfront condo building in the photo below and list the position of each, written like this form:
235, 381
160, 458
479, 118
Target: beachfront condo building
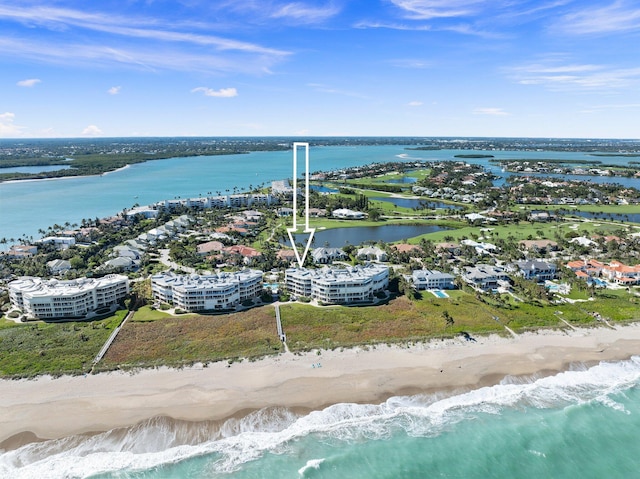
338, 285
219, 291
78, 298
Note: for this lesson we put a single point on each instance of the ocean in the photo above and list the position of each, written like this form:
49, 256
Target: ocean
580, 423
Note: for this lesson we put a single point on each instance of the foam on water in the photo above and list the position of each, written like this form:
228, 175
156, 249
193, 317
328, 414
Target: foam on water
160, 442
311, 464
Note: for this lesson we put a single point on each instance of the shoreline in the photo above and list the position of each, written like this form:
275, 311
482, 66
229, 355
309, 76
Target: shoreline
28, 180
47, 408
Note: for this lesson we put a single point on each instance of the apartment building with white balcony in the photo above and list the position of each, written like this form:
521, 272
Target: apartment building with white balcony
338, 285
209, 292
73, 299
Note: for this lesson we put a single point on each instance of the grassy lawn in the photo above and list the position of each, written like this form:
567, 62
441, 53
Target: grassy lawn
604, 209
7, 323
179, 340
145, 314
521, 230
53, 348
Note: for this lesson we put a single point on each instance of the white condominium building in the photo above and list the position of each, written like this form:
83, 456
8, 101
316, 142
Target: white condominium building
49, 299
338, 285
207, 292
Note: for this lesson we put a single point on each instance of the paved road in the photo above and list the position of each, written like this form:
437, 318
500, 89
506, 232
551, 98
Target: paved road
164, 259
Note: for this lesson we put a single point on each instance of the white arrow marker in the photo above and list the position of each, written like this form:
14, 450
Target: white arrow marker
294, 229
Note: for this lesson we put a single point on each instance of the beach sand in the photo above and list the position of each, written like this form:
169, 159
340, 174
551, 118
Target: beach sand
51, 408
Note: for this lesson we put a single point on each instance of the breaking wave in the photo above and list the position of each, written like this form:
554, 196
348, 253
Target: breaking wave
234, 442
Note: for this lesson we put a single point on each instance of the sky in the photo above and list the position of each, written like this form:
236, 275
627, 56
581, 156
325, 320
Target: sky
506, 68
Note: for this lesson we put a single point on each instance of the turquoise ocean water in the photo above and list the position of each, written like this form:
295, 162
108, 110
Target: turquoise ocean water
583, 423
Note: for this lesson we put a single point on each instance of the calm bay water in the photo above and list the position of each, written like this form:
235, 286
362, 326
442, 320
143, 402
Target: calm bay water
355, 235
581, 423
416, 203
26, 207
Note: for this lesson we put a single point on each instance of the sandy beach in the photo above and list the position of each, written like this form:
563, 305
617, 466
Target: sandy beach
52, 408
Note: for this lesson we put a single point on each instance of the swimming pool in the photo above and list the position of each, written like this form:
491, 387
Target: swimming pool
439, 293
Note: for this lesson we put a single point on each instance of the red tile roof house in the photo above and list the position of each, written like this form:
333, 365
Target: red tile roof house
591, 267
287, 255
246, 253
621, 273
204, 249
406, 248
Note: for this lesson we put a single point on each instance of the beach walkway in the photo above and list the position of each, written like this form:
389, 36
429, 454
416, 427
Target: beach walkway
109, 341
281, 335
511, 331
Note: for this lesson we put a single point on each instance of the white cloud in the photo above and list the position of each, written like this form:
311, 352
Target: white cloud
144, 42
29, 83
126, 26
146, 58
91, 130
410, 63
7, 128
427, 9
319, 87
415, 103
114, 90
618, 17
576, 77
490, 112
259, 11
221, 93
304, 13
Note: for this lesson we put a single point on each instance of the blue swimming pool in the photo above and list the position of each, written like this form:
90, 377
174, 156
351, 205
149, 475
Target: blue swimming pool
439, 294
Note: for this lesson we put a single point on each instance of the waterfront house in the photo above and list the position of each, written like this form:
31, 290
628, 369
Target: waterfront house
485, 276
347, 214
622, 274
407, 248
60, 242
22, 251
423, 279
371, 253
536, 269
327, 255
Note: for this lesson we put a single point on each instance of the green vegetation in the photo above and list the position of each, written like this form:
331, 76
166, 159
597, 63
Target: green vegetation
53, 348
176, 341
146, 313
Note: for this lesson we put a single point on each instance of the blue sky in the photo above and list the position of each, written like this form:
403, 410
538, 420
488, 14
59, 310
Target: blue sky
546, 68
